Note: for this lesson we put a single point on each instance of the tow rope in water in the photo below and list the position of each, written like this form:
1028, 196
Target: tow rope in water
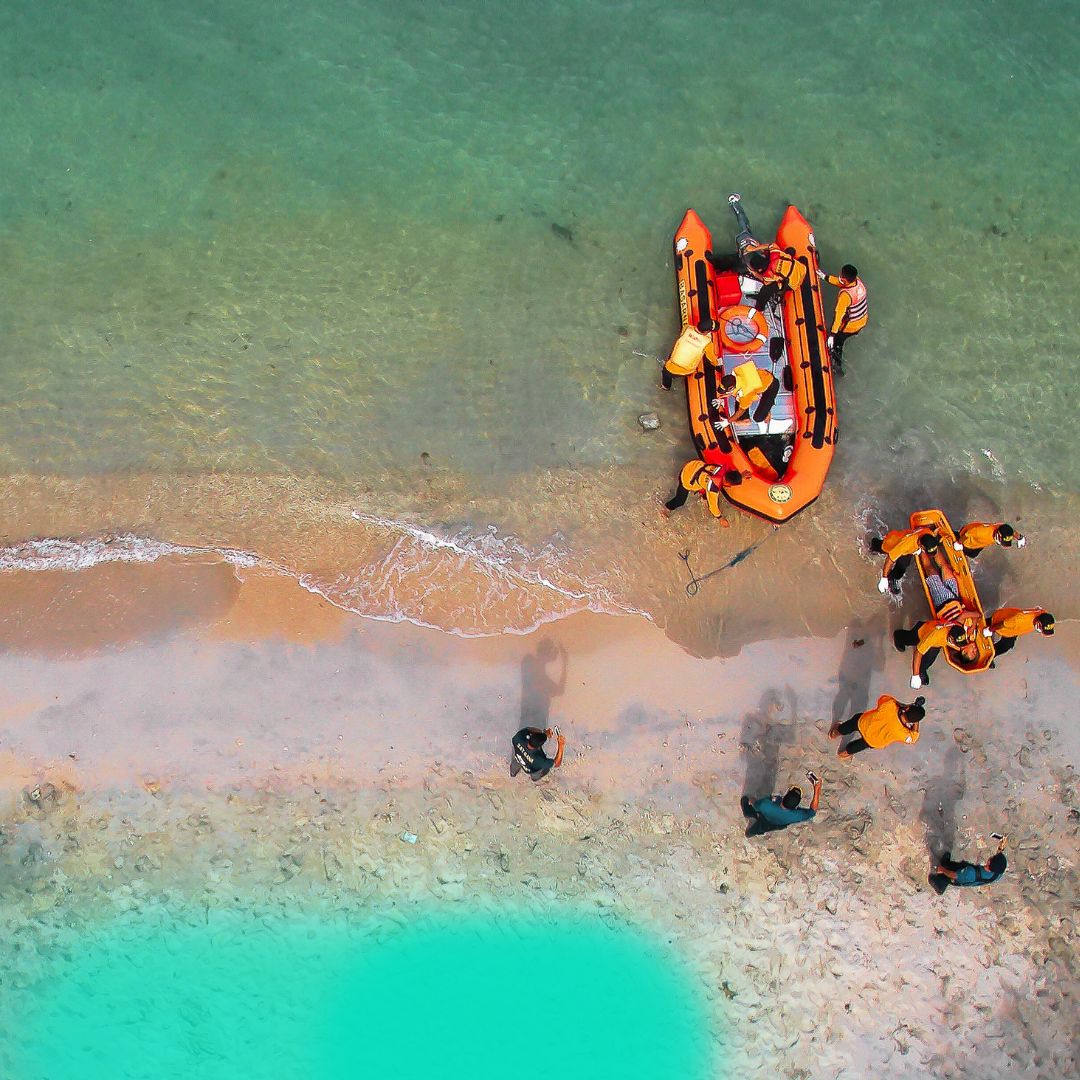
694, 584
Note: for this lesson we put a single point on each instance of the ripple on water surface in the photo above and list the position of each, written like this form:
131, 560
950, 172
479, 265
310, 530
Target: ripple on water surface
472, 997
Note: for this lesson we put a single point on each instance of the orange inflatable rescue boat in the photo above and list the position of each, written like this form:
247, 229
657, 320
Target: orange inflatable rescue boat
784, 444
966, 609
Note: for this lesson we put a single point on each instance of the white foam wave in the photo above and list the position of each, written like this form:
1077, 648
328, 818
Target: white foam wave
465, 583
55, 553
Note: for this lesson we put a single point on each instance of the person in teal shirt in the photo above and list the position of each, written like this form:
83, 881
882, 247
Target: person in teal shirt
773, 812
950, 872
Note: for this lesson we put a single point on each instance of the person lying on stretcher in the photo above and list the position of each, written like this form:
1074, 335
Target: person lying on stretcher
944, 589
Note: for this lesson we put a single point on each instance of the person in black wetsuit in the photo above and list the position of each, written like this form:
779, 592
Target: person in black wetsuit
528, 752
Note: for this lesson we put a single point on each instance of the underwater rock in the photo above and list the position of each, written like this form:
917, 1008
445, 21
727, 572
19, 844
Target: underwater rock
649, 421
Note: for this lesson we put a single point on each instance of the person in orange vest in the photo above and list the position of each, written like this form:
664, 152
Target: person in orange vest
692, 348
769, 264
746, 384
851, 314
1009, 623
707, 481
899, 547
888, 722
977, 535
928, 638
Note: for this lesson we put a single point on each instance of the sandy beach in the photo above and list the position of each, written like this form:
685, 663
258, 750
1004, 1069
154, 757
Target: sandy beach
183, 735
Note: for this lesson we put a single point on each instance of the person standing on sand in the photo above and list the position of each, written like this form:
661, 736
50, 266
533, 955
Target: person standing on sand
528, 752
949, 872
773, 812
888, 722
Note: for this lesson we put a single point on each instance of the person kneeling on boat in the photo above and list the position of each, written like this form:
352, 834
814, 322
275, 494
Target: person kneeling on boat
692, 348
746, 384
1010, 623
977, 535
708, 481
899, 547
851, 315
928, 638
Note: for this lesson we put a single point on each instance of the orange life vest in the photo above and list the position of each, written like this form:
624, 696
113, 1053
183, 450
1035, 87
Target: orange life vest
882, 725
978, 535
706, 481
901, 542
1013, 621
933, 635
851, 317
783, 269
690, 348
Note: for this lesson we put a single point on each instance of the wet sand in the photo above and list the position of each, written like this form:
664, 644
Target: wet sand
477, 559
264, 748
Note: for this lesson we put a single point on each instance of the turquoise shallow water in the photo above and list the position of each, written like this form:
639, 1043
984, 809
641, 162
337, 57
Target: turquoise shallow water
470, 997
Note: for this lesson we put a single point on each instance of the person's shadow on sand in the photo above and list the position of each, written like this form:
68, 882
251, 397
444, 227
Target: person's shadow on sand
537, 686
942, 797
764, 732
863, 655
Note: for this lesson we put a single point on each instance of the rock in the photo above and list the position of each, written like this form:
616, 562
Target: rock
649, 421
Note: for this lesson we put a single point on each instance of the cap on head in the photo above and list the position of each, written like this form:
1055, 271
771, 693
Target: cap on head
929, 543
1004, 534
1044, 623
848, 272
957, 635
758, 259
791, 798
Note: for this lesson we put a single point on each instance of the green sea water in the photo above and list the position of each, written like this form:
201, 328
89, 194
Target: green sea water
470, 997
317, 238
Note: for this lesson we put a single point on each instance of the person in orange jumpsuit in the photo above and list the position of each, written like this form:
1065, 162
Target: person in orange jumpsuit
887, 722
1010, 623
978, 535
899, 547
928, 638
851, 315
707, 481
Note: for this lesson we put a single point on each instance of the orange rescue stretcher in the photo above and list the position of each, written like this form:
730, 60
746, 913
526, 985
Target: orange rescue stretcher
968, 609
783, 453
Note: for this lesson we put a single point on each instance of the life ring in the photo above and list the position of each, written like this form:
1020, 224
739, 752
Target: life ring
743, 329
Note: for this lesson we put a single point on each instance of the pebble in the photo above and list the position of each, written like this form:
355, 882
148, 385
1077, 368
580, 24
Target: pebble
649, 421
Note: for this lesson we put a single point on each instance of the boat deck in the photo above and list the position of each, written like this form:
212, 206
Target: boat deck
781, 418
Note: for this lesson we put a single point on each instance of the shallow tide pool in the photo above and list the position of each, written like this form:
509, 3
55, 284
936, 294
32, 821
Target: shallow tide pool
435, 996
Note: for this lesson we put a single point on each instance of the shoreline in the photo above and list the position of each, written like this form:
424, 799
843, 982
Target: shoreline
488, 564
